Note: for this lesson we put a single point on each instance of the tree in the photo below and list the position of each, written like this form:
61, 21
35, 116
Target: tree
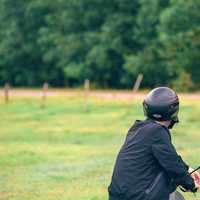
180, 36
109, 42
147, 59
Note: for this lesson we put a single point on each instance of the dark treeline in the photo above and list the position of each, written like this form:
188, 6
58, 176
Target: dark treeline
107, 41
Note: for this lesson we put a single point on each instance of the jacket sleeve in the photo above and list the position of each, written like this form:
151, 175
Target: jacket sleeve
164, 151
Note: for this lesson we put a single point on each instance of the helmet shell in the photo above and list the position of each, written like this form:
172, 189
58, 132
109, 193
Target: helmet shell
161, 103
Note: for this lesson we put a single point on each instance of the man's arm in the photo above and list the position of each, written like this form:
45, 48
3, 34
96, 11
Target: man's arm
172, 163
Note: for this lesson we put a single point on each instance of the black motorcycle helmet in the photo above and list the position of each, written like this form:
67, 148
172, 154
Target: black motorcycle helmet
162, 104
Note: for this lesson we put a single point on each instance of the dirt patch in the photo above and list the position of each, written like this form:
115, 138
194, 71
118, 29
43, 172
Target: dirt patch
113, 95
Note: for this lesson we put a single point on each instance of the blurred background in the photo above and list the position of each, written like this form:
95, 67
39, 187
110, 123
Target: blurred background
109, 42
73, 75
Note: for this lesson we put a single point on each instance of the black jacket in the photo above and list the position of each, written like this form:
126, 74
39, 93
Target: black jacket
147, 161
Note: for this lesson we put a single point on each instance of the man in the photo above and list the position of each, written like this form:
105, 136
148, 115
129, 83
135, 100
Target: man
148, 166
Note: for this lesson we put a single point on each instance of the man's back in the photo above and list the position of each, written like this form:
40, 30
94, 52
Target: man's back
136, 167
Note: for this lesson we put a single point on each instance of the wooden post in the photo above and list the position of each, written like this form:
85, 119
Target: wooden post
135, 89
138, 82
44, 94
86, 94
7, 92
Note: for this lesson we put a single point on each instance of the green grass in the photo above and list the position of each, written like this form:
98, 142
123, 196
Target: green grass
63, 153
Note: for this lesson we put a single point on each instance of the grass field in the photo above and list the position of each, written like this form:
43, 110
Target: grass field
63, 153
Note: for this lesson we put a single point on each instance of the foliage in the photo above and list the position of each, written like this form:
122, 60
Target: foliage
109, 42
184, 82
181, 39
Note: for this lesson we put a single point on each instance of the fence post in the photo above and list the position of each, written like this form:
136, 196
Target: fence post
136, 87
7, 92
138, 82
44, 94
86, 94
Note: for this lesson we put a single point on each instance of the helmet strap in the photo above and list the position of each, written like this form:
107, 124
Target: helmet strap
172, 123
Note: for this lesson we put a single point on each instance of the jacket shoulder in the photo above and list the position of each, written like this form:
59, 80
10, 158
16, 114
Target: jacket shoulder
157, 130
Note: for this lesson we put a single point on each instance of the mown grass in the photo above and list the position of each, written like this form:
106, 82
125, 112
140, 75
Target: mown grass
64, 153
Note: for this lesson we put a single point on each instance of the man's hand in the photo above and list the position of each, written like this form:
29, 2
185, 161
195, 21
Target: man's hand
196, 177
197, 185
